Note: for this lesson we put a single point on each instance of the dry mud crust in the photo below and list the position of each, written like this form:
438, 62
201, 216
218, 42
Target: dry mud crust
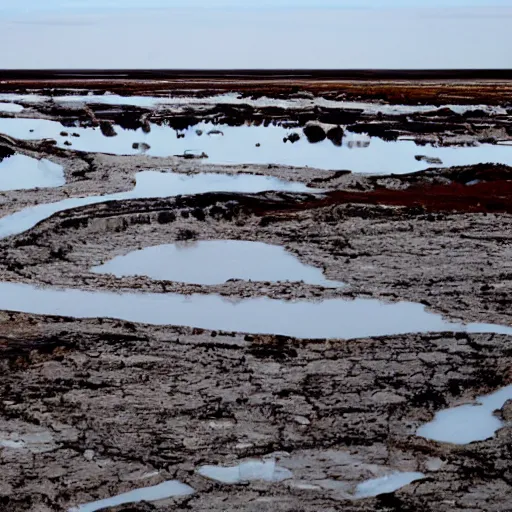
448, 251
106, 406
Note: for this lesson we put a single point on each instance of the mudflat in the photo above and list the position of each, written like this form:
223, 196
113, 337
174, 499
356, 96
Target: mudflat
317, 393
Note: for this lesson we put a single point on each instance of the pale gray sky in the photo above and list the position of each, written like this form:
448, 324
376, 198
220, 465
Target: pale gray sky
24, 5
256, 38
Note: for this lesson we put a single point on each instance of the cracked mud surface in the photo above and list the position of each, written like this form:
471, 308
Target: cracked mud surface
393, 253
102, 404
93, 408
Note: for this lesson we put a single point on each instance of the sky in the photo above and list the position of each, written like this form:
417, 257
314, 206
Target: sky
264, 34
69, 5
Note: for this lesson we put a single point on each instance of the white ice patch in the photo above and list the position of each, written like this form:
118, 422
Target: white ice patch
13, 445
386, 484
249, 471
468, 423
170, 489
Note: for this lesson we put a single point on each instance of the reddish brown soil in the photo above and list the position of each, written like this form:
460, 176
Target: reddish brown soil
490, 91
495, 197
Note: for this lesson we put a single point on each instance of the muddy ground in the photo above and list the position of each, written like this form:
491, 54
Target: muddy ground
439, 125
432, 88
93, 408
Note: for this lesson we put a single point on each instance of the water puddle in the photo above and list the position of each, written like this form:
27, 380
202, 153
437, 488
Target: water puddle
333, 318
152, 184
386, 484
215, 262
248, 471
20, 172
261, 145
11, 107
166, 490
468, 423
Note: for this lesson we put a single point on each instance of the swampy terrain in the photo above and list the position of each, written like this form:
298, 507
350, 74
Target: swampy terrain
261, 295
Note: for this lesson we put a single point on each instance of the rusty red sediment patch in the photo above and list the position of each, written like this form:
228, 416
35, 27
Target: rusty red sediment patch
484, 197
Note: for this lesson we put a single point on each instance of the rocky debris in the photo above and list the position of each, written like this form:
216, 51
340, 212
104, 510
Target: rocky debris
507, 411
441, 112
314, 133
107, 129
142, 146
292, 137
6, 152
145, 124
191, 154
429, 159
335, 135
441, 126
332, 413
334, 116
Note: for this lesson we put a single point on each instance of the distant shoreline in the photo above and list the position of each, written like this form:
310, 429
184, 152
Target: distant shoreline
256, 74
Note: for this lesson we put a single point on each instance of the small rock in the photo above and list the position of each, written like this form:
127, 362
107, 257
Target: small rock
75, 135
199, 133
507, 411
301, 420
215, 132
89, 455
243, 446
314, 133
335, 135
191, 154
142, 146
429, 160
258, 144
64, 134
292, 137
146, 126
107, 129
67, 143
434, 464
